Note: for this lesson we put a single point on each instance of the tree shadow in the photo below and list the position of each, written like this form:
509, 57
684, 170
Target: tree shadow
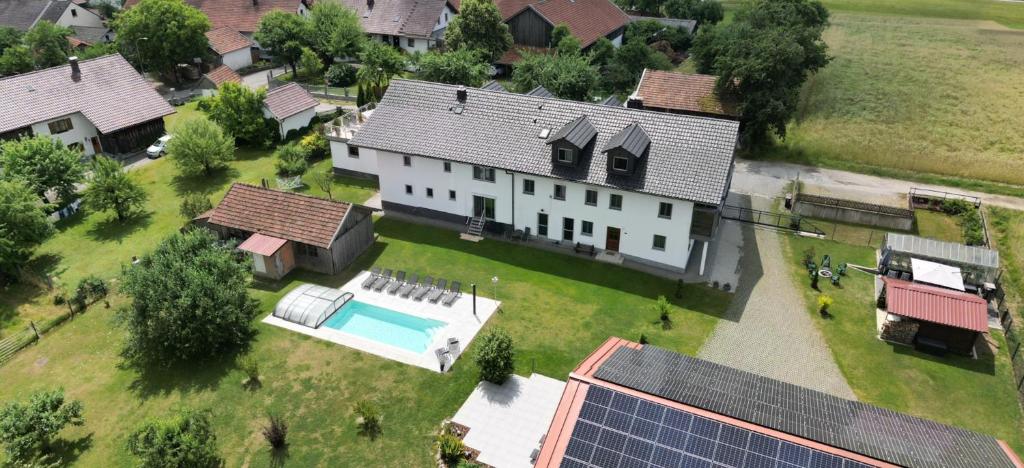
47, 264
278, 456
153, 380
202, 183
68, 451
112, 229
984, 364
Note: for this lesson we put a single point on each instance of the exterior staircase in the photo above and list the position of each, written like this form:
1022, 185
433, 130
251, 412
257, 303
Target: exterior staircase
476, 226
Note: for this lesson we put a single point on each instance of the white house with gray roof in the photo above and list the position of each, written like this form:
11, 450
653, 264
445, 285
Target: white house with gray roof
644, 185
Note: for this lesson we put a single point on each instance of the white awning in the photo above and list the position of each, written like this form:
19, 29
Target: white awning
937, 274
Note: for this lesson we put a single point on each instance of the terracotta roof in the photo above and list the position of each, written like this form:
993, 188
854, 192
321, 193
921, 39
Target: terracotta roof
108, 92
224, 40
936, 305
285, 215
288, 100
412, 18
240, 15
223, 74
515, 53
588, 20
262, 244
683, 92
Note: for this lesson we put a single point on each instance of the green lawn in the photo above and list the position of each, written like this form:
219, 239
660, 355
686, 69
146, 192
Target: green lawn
314, 383
1007, 232
974, 394
936, 225
1008, 13
929, 224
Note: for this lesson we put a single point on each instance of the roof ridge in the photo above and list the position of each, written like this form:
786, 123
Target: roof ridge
41, 70
312, 197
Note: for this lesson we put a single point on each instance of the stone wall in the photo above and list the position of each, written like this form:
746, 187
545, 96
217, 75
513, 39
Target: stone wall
852, 212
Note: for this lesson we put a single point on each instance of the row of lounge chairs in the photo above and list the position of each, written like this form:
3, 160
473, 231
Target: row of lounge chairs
413, 287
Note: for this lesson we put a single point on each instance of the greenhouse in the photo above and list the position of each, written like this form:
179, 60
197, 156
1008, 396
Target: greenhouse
977, 264
310, 304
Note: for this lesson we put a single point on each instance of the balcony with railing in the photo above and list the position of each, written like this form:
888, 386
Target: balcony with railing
345, 127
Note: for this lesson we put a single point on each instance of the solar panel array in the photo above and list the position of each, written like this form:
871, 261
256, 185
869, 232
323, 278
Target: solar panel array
619, 430
857, 427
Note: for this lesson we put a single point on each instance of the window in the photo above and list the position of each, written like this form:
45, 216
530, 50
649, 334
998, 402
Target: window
528, 186
665, 210
587, 229
353, 151
568, 226
703, 222
659, 242
451, 195
407, 160
620, 163
542, 224
308, 250
559, 192
412, 42
485, 174
565, 155
447, 166
74, 13
430, 192
591, 198
615, 202
60, 126
76, 146
408, 189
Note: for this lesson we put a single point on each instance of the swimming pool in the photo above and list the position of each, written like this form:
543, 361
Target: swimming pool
385, 326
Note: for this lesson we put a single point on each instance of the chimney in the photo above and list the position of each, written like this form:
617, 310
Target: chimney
635, 102
460, 93
76, 72
255, 3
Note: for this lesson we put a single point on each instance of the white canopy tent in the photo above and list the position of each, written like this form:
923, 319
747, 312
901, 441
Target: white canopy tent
937, 274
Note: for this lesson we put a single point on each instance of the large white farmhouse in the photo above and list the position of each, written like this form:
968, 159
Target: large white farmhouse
646, 185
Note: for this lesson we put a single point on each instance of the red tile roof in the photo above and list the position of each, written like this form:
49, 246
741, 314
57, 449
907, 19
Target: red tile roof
224, 40
936, 305
223, 74
683, 92
285, 215
262, 244
288, 100
412, 18
240, 15
108, 92
515, 53
588, 20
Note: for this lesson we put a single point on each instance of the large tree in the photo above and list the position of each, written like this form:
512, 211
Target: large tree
336, 30
284, 34
9, 37
763, 57
705, 12
15, 59
239, 111
23, 225
160, 34
182, 440
189, 301
45, 163
111, 188
48, 44
380, 63
479, 26
200, 146
26, 430
629, 62
462, 66
566, 76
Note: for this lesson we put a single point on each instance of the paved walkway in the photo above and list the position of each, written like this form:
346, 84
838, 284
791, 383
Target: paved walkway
767, 330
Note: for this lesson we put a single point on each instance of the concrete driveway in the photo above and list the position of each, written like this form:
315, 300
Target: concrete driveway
259, 79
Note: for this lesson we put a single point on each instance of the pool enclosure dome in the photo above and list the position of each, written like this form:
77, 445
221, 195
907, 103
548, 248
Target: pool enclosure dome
310, 305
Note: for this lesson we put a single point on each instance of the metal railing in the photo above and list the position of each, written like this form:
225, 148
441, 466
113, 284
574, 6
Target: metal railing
346, 126
770, 219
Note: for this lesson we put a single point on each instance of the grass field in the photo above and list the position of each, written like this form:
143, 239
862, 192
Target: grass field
974, 394
314, 383
1007, 231
1007, 13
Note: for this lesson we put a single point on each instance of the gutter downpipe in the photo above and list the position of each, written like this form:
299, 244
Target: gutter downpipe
513, 174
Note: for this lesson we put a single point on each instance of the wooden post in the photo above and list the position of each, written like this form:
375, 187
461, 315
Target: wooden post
34, 330
1014, 353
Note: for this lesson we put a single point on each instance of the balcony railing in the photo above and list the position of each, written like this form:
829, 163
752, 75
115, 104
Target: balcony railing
346, 126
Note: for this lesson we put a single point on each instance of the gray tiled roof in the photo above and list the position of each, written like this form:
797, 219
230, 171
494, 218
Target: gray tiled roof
632, 139
578, 133
90, 34
109, 92
611, 101
23, 14
876, 432
493, 86
690, 157
540, 91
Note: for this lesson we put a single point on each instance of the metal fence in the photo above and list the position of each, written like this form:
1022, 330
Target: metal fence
318, 91
1012, 331
10, 345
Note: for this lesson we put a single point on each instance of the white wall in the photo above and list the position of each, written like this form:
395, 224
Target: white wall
617, 41
638, 220
366, 163
447, 15
294, 122
420, 44
237, 59
83, 18
81, 132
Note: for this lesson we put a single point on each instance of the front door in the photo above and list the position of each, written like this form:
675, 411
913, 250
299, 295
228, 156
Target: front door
542, 224
96, 145
568, 227
612, 239
484, 206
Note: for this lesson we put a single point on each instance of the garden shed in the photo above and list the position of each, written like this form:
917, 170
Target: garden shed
931, 318
978, 265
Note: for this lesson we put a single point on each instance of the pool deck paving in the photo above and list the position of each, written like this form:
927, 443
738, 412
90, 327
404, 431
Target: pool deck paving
462, 325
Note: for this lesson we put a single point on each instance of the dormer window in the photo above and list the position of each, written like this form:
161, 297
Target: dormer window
626, 149
566, 155
620, 163
571, 143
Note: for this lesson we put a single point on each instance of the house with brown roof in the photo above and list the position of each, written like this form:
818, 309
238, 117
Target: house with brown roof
283, 230
682, 93
231, 48
931, 318
100, 105
212, 79
532, 21
411, 25
291, 106
241, 15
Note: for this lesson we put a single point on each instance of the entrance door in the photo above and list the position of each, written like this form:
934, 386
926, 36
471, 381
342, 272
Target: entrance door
96, 145
612, 239
483, 205
568, 227
542, 224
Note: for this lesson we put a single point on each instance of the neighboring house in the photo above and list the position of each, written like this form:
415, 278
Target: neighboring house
641, 185
291, 106
284, 230
682, 93
411, 25
687, 25
531, 22
97, 105
216, 77
87, 25
641, 405
231, 48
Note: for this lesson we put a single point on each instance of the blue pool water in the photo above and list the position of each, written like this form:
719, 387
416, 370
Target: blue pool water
385, 326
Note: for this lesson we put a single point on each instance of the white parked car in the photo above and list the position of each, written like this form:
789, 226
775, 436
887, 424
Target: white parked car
158, 148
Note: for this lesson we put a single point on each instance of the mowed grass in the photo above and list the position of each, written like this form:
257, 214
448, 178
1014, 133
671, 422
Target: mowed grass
974, 394
558, 309
1007, 232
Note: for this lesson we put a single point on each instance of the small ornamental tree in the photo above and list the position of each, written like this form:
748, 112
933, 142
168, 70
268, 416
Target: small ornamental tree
189, 301
111, 188
310, 65
290, 160
23, 226
27, 429
194, 205
239, 112
479, 26
284, 34
496, 356
325, 181
45, 163
200, 146
183, 440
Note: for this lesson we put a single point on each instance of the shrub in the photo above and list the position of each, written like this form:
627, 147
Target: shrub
496, 356
194, 205
450, 448
92, 288
368, 418
956, 207
824, 302
252, 372
662, 307
185, 439
341, 75
200, 146
291, 160
315, 144
276, 432
27, 429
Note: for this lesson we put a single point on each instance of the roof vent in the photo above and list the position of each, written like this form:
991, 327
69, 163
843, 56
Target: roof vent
460, 93
457, 110
544, 132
